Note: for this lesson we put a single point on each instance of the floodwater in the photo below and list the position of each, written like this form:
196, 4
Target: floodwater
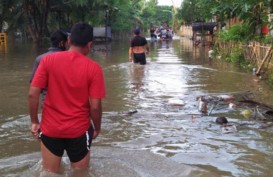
151, 123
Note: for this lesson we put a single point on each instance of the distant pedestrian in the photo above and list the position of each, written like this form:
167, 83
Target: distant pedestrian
137, 49
152, 34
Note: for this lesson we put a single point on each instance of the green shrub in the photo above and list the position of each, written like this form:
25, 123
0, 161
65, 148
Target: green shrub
236, 33
236, 56
267, 39
270, 77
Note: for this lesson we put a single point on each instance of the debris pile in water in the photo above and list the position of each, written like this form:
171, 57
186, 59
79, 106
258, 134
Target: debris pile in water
238, 101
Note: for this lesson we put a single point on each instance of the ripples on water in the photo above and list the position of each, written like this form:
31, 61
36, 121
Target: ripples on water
163, 134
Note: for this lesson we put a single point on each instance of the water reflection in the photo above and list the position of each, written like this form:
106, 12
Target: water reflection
3, 49
136, 75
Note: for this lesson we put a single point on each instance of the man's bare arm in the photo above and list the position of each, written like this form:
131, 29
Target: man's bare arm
130, 54
33, 105
96, 115
147, 49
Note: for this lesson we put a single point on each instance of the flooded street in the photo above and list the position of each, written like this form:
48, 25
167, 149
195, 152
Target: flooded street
151, 123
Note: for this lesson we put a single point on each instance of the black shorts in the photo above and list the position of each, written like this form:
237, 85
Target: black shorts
76, 148
140, 58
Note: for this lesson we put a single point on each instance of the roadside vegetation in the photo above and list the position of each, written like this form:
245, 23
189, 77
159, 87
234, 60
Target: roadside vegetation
240, 23
35, 19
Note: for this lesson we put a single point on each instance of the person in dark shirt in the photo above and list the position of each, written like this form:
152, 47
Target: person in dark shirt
59, 43
137, 49
152, 33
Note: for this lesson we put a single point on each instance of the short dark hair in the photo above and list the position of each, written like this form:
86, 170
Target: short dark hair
81, 34
58, 36
137, 31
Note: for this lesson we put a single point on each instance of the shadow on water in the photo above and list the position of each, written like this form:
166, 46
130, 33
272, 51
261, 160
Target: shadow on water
151, 122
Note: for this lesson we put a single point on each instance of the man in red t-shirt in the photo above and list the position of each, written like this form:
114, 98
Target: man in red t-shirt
75, 87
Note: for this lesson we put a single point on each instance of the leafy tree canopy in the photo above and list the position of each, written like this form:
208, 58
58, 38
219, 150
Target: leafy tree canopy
37, 18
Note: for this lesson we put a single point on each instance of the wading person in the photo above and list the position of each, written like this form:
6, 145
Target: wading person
137, 48
75, 85
58, 41
152, 34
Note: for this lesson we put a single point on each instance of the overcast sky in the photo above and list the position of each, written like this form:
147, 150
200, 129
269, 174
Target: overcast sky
177, 3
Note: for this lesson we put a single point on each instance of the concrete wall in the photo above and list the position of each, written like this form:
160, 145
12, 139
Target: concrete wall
99, 32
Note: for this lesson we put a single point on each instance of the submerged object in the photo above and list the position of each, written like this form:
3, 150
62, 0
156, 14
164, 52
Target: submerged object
211, 53
231, 106
226, 127
265, 115
132, 112
247, 113
226, 98
176, 102
221, 120
229, 128
129, 113
254, 71
202, 105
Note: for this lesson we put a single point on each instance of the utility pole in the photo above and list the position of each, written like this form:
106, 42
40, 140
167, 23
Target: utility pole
173, 14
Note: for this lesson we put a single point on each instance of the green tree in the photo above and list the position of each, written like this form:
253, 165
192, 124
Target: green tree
121, 18
11, 13
195, 11
36, 14
149, 13
253, 13
37, 18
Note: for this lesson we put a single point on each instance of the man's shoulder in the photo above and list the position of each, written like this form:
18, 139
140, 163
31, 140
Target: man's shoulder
142, 38
54, 49
136, 38
92, 62
50, 52
92, 65
56, 53
39, 57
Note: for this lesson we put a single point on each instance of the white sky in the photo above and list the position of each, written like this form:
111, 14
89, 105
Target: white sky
177, 3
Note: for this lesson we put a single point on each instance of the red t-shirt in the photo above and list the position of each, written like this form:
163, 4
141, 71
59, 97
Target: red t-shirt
71, 79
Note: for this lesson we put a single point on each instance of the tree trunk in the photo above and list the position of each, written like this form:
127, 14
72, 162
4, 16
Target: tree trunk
36, 18
1, 23
43, 25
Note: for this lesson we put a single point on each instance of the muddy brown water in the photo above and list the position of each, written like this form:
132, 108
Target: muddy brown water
151, 124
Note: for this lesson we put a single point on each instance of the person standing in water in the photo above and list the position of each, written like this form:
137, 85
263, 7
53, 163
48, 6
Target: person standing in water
152, 34
137, 49
75, 85
58, 41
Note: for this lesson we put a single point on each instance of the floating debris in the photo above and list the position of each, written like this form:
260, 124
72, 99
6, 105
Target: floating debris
132, 112
235, 101
211, 53
221, 120
202, 105
247, 113
229, 128
176, 102
129, 113
231, 106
